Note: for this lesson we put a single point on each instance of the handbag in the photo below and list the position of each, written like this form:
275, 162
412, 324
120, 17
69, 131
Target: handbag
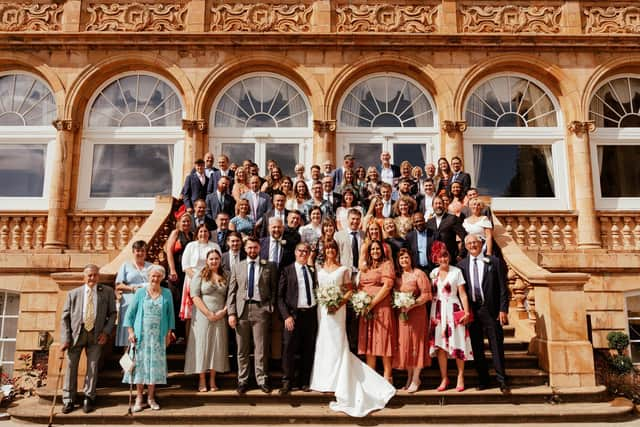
127, 362
458, 315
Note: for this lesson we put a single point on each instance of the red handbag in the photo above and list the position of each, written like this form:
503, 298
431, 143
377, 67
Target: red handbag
458, 315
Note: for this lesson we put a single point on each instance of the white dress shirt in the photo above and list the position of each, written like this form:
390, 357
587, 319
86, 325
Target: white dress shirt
386, 175
302, 292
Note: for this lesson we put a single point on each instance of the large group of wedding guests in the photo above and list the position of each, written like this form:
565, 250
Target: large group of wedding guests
355, 266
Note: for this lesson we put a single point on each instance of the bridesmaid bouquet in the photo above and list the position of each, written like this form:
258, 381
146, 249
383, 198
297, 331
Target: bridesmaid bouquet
360, 301
403, 300
329, 295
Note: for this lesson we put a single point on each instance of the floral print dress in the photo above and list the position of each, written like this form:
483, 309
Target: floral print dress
444, 332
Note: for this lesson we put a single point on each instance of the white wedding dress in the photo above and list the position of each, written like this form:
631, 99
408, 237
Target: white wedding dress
358, 388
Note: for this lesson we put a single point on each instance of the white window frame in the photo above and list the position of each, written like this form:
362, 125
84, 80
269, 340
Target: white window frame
260, 136
626, 315
5, 316
165, 135
388, 136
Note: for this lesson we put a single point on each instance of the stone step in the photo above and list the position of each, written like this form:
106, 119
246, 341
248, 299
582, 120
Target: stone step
244, 411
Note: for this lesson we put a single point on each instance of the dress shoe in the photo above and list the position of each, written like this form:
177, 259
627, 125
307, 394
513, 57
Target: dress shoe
67, 407
265, 388
242, 389
305, 388
443, 385
285, 389
504, 388
483, 386
89, 405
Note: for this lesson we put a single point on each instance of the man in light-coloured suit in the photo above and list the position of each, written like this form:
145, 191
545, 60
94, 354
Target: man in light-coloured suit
250, 302
88, 317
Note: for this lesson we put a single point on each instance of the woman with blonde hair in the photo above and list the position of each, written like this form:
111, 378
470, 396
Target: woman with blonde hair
403, 210
374, 214
240, 181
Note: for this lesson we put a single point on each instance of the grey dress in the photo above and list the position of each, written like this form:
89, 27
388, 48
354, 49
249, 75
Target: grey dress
208, 345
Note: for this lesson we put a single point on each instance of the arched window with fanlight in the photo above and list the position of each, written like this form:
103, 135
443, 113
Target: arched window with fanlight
514, 143
132, 142
27, 110
615, 110
388, 112
261, 117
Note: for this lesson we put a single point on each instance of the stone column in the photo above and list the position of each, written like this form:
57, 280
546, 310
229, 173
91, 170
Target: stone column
58, 194
588, 233
194, 130
324, 141
454, 142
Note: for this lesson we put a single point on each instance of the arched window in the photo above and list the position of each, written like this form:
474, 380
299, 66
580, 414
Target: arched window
27, 109
615, 109
516, 143
263, 117
132, 143
387, 112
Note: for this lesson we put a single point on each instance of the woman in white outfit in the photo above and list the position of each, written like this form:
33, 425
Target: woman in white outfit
358, 388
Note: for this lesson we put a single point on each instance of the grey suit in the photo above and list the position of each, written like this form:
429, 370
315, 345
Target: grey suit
73, 332
253, 317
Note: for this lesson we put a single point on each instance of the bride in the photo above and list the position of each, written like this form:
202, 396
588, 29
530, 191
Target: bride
358, 388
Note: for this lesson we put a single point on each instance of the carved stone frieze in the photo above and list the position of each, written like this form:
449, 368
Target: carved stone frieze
65, 125
387, 18
261, 17
580, 128
612, 19
30, 17
136, 17
511, 19
450, 126
324, 126
194, 125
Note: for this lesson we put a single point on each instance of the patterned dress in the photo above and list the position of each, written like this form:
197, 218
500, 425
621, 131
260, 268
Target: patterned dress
151, 359
444, 332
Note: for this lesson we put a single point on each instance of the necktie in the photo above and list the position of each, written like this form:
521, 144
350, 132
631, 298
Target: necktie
252, 273
220, 236
476, 282
274, 251
307, 287
89, 315
354, 248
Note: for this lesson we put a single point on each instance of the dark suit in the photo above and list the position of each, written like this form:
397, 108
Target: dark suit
394, 168
450, 227
302, 339
215, 205
463, 178
193, 189
215, 177
286, 253
486, 312
264, 204
220, 237
264, 228
412, 240
225, 262
336, 201
211, 225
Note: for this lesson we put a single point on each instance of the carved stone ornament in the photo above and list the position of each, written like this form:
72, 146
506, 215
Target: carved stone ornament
324, 126
612, 19
511, 19
262, 17
65, 125
194, 125
580, 128
450, 126
136, 17
30, 17
386, 18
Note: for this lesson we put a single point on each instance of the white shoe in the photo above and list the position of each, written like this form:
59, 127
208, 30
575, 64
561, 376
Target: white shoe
153, 405
139, 406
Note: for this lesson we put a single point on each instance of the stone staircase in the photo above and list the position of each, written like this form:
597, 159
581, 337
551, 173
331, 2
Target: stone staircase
531, 400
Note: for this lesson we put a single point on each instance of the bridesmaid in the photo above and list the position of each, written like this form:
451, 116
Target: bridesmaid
377, 329
207, 349
412, 353
174, 248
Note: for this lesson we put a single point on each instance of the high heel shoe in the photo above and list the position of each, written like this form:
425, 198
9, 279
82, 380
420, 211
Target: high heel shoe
443, 386
460, 388
413, 387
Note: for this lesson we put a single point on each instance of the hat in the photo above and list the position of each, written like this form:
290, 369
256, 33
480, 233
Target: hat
437, 250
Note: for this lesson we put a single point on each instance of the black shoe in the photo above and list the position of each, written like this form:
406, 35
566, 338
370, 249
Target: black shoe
483, 386
285, 389
504, 388
242, 389
306, 388
89, 405
68, 407
265, 388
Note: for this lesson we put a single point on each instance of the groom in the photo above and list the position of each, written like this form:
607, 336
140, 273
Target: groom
297, 305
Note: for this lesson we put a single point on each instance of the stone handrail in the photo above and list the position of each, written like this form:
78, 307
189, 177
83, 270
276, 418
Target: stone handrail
541, 230
620, 230
22, 231
550, 309
97, 231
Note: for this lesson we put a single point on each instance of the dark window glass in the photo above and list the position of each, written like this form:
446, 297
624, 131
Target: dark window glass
239, 152
22, 170
619, 171
413, 153
366, 154
285, 155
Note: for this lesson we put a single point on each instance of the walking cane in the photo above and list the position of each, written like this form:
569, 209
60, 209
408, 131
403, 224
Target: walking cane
55, 392
133, 359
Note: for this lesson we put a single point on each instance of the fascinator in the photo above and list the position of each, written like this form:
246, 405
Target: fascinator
181, 211
437, 250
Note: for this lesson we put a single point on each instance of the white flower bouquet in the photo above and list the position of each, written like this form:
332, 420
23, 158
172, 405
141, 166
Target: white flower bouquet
403, 300
329, 295
360, 301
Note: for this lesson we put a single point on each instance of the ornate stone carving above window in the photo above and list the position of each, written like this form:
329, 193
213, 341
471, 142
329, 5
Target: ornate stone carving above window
386, 18
511, 19
136, 17
612, 19
30, 17
262, 17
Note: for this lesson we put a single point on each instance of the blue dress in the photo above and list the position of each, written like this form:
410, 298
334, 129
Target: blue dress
243, 225
151, 359
130, 275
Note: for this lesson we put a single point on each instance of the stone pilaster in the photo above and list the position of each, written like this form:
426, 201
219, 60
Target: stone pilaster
194, 131
324, 141
454, 142
588, 233
58, 191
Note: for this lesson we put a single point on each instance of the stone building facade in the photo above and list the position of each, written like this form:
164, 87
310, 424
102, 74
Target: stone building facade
549, 95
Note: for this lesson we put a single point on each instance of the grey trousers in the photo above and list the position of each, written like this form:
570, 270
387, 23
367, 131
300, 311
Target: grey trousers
93, 350
255, 322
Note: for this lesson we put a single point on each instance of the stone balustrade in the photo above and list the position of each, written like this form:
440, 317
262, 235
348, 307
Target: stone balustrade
103, 231
541, 231
22, 231
620, 230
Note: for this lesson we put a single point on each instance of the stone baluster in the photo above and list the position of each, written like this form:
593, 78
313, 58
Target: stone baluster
16, 234
100, 232
556, 234
87, 241
627, 237
4, 233
76, 232
112, 232
616, 238
124, 233
569, 235
636, 234
532, 232
545, 233
509, 226
605, 227
531, 301
519, 294
521, 231
27, 234
137, 223
41, 232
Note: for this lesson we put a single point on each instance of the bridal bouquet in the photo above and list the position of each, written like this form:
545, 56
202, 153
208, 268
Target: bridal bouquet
329, 295
403, 300
360, 301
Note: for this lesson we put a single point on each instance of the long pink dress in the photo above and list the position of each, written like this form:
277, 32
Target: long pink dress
377, 336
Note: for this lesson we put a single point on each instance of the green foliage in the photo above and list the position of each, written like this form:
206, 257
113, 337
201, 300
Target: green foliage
618, 341
621, 364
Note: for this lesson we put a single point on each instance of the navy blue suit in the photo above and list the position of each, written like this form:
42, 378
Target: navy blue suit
215, 176
193, 189
215, 206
